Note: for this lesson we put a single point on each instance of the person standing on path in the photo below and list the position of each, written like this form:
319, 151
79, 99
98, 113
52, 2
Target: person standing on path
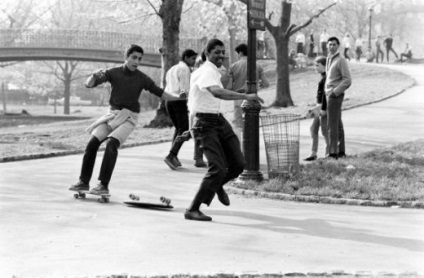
300, 41
127, 83
323, 40
378, 50
237, 82
319, 112
215, 135
338, 80
358, 48
388, 43
346, 45
178, 80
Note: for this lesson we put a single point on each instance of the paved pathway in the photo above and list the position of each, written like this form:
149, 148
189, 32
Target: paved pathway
44, 231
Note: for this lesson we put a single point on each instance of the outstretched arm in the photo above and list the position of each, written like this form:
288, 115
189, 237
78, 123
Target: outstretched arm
221, 93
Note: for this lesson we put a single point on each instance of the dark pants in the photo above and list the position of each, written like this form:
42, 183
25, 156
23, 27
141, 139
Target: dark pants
300, 48
222, 150
324, 48
108, 163
178, 112
379, 52
358, 53
336, 138
388, 49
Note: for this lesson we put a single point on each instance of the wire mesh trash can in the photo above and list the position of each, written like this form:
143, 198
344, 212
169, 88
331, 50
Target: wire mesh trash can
281, 137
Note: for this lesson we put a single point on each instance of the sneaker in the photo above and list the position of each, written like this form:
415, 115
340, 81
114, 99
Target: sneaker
196, 215
311, 158
200, 163
99, 190
171, 162
80, 186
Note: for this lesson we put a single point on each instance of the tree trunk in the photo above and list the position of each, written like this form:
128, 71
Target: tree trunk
170, 14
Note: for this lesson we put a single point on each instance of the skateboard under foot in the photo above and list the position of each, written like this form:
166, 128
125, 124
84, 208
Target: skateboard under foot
81, 194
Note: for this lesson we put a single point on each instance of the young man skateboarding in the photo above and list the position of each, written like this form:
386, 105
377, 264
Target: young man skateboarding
126, 82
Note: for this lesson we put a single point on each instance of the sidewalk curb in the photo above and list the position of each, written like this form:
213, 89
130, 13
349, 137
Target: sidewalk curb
324, 200
332, 274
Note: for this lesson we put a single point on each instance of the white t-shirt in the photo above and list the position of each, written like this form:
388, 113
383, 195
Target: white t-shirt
178, 78
200, 100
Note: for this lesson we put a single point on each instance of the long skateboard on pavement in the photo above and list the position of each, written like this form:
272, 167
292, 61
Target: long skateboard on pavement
164, 203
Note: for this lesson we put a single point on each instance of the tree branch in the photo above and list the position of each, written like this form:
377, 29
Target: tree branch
153, 7
296, 29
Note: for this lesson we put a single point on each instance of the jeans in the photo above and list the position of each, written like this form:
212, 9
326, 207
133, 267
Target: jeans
388, 49
221, 147
335, 124
316, 123
178, 112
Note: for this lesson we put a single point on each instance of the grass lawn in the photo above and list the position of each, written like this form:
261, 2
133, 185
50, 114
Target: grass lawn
392, 174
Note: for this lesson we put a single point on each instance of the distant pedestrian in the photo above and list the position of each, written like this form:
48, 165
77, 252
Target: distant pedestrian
300, 42
311, 44
238, 83
358, 48
346, 45
378, 49
319, 112
178, 80
127, 83
323, 40
215, 135
407, 53
388, 43
338, 80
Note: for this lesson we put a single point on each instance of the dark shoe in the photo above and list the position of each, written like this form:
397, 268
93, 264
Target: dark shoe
311, 158
341, 155
99, 190
171, 162
223, 197
200, 163
333, 156
196, 215
79, 186
177, 161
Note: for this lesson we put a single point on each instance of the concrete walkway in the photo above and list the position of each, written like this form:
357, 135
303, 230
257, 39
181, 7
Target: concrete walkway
44, 231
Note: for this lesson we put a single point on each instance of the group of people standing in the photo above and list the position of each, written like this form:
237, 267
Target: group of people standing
201, 113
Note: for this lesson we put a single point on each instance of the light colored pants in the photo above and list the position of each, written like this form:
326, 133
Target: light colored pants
121, 133
316, 123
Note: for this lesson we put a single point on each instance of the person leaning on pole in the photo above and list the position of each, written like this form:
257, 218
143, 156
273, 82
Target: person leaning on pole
113, 128
217, 139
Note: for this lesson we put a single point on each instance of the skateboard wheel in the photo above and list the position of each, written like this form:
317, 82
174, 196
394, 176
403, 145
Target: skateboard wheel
76, 196
165, 200
100, 200
134, 197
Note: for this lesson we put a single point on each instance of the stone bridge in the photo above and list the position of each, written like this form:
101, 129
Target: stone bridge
94, 46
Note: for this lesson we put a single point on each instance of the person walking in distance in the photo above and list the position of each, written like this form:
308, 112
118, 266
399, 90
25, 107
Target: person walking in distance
378, 50
388, 43
319, 111
215, 135
323, 40
127, 83
178, 79
338, 80
237, 82
346, 45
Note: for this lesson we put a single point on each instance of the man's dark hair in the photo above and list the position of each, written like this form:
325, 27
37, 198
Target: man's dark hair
133, 48
188, 53
212, 44
242, 48
333, 39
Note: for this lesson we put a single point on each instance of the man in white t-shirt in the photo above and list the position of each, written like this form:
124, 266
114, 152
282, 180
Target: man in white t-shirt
217, 139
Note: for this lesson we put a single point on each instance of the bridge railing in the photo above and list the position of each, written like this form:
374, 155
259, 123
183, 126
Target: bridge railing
44, 38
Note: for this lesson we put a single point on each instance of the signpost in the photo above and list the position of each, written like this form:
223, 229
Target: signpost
251, 109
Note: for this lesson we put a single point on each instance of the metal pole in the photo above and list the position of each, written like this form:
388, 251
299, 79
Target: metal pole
251, 111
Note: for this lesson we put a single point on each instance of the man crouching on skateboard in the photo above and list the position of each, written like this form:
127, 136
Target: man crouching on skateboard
127, 83
217, 139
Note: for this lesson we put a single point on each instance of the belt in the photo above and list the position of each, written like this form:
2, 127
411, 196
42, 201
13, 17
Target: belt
217, 115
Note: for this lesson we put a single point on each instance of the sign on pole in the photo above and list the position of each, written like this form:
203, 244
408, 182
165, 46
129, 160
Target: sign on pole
256, 14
